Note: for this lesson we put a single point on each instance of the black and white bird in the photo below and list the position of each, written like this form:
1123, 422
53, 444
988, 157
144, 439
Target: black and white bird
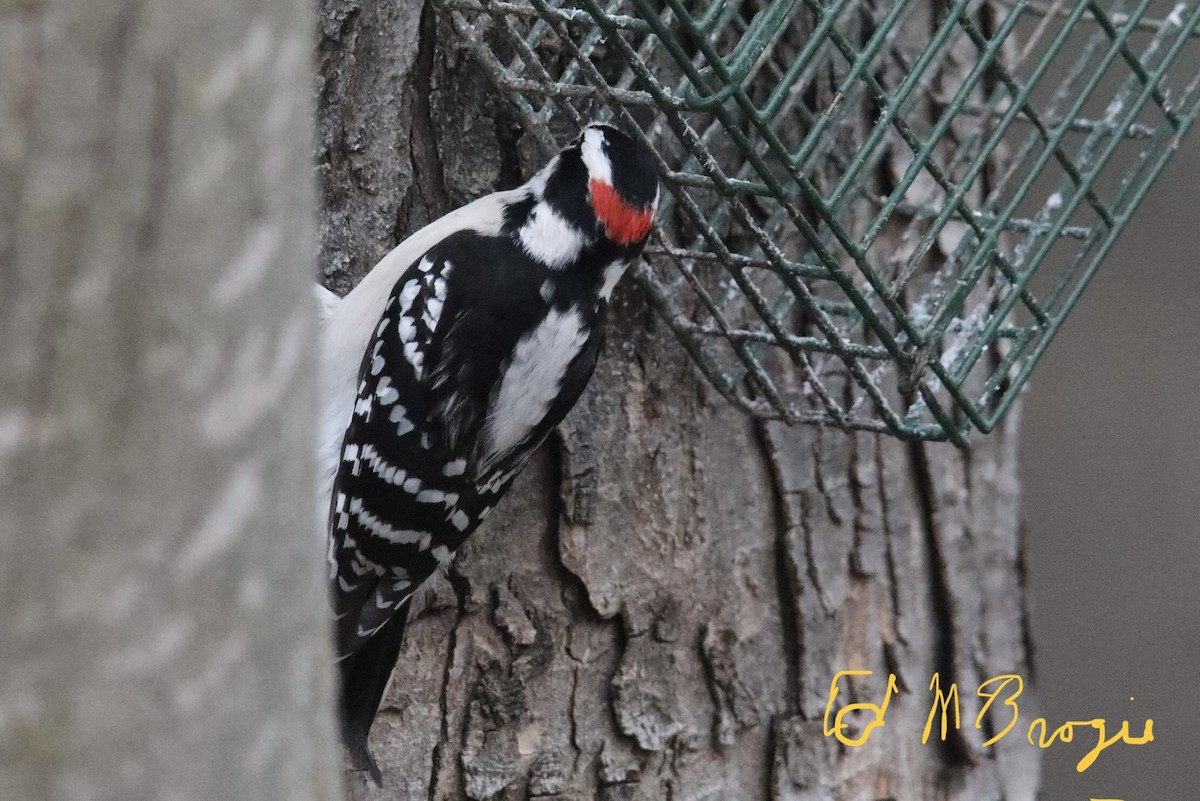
443, 371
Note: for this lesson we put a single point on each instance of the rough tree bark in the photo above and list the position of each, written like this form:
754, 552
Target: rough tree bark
164, 626
660, 605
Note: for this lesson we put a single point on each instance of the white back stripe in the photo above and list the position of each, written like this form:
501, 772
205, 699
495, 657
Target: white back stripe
532, 379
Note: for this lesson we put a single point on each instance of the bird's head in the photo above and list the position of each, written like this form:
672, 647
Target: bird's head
604, 183
622, 183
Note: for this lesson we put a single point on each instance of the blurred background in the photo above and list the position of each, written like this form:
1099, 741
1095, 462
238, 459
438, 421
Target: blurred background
1111, 460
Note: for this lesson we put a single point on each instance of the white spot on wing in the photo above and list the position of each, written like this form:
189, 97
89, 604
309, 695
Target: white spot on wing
381, 467
386, 393
384, 530
408, 330
368, 632
433, 311
409, 292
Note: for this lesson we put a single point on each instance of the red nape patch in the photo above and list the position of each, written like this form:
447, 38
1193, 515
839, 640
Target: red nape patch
625, 224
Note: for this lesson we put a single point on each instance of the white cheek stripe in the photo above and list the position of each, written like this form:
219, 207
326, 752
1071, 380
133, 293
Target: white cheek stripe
532, 379
549, 238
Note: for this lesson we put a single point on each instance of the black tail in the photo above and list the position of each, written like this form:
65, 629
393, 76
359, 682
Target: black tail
365, 675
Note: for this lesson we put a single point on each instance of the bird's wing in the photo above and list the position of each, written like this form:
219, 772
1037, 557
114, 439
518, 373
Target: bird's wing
349, 328
398, 486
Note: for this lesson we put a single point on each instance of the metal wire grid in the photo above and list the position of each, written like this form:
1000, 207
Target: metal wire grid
878, 213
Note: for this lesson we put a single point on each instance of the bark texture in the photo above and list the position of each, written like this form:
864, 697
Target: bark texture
659, 607
164, 624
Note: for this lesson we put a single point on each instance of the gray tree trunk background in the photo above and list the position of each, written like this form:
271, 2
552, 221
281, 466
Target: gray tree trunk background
164, 632
658, 608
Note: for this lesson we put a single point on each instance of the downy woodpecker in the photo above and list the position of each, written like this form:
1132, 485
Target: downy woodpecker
443, 371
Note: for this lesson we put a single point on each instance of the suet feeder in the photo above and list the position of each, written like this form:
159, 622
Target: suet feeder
877, 213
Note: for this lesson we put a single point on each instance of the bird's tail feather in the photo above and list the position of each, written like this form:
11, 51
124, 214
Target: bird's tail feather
365, 675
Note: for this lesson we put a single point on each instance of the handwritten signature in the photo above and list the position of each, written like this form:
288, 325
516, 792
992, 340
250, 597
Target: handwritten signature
1007, 687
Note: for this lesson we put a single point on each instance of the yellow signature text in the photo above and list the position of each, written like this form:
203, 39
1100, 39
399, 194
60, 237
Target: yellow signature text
839, 724
944, 710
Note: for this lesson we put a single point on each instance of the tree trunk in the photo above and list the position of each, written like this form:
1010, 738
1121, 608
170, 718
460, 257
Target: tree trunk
658, 609
165, 628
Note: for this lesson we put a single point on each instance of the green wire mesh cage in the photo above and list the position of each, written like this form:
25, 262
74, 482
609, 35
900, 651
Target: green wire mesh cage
878, 214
